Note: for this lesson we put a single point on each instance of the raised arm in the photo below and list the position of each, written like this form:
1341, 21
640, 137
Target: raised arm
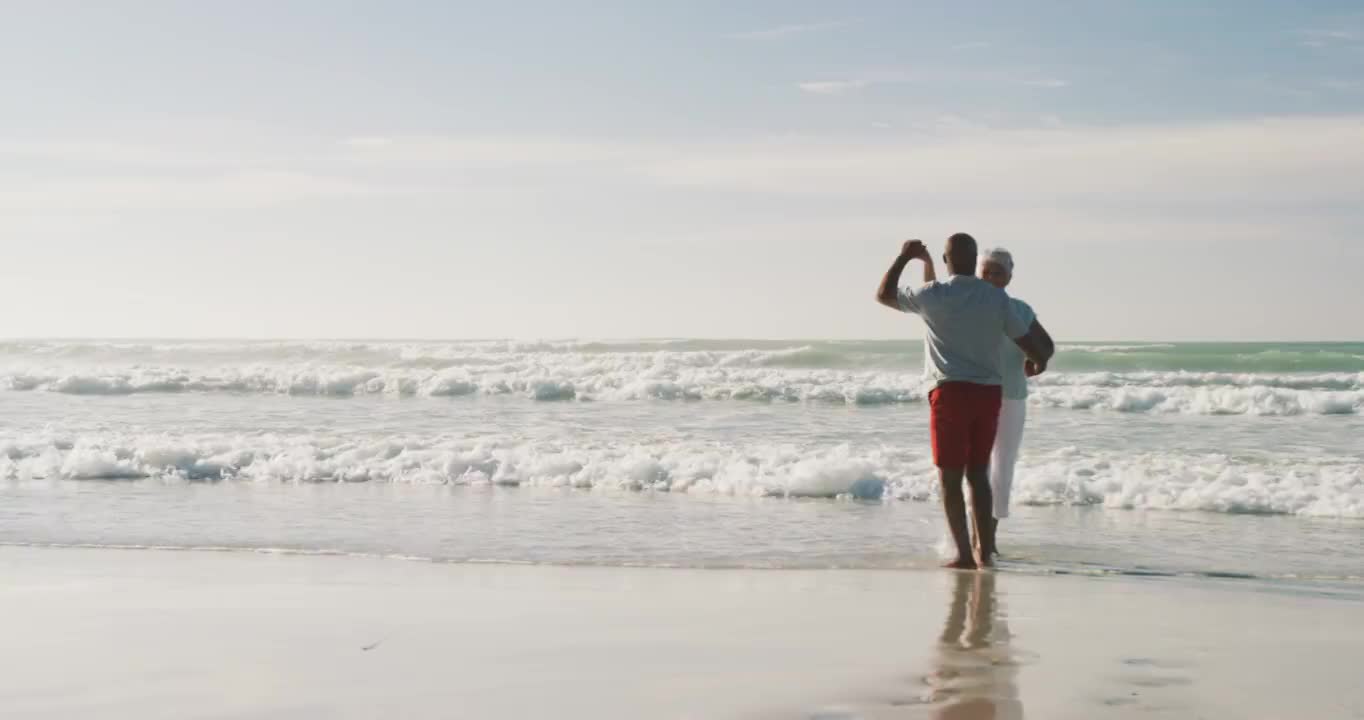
888, 293
930, 274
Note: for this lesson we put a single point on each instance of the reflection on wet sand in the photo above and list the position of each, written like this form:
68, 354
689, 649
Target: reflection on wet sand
973, 672
975, 675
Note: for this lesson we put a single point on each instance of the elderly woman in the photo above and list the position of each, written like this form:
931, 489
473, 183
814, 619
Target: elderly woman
996, 266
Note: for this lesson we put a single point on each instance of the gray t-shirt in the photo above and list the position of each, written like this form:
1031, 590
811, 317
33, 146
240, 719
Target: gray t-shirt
968, 320
1011, 356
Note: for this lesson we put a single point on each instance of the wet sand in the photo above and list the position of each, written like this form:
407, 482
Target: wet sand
150, 634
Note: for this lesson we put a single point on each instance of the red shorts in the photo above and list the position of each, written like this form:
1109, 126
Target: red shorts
964, 418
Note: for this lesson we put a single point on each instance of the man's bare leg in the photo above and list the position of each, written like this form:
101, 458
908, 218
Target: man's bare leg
982, 512
954, 506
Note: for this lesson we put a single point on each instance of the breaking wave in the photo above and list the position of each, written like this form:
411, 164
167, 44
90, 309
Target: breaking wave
691, 378
1320, 486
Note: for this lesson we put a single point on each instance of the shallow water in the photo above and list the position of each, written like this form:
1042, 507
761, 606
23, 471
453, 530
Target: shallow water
1235, 461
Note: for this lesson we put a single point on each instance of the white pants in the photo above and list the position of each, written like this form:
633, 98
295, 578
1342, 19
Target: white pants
1008, 439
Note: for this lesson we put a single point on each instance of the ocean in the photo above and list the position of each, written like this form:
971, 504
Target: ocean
1230, 462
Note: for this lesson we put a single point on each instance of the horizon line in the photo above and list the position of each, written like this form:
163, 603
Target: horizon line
620, 338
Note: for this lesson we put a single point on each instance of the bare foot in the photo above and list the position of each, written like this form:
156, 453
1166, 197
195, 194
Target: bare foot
961, 564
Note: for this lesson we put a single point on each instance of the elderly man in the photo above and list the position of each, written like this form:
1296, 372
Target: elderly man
968, 320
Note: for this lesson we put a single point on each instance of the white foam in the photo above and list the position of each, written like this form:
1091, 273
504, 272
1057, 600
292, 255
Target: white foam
686, 467
1252, 400
1182, 378
701, 376
1310, 485
1320, 487
635, 377
627, 371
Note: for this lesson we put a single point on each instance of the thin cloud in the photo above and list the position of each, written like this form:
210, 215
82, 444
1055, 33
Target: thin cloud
1341, 84
971, 45
132, 155
232, 190
368, 142
862, 81
1331, 38
833, 87
858, 81
781, 31
1298, 159
1047, 83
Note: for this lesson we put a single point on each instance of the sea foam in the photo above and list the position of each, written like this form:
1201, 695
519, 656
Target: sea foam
691, 376
1308, 485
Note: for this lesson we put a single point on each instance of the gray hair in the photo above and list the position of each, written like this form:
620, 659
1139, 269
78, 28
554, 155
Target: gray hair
998, 256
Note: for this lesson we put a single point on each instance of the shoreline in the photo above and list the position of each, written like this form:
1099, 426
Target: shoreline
1343, 586
143, 634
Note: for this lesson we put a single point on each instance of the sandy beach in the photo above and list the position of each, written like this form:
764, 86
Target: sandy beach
642, 360
158, 634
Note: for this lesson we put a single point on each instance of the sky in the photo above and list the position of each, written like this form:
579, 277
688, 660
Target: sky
1161, 170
